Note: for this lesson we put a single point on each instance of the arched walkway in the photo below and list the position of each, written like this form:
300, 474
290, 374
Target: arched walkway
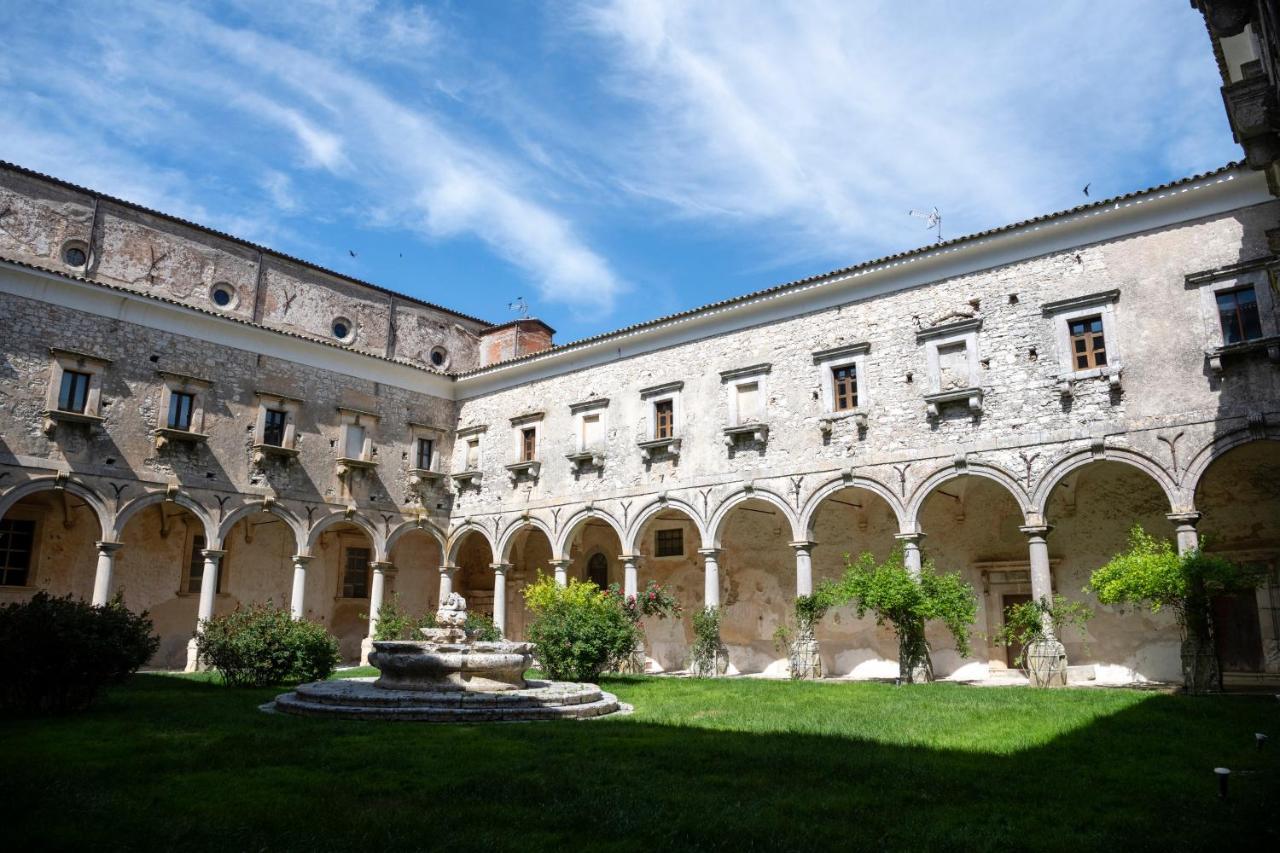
340, 579
668, 539
528, 551
50, 539
1238, 496
417, 552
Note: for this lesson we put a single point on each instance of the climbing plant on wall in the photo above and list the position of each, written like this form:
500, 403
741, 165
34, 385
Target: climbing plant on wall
895, 598
1151, 574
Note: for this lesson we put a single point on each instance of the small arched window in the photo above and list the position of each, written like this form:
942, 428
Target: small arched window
598, 570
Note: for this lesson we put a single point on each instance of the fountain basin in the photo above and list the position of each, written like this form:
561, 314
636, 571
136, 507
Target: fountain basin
441, 667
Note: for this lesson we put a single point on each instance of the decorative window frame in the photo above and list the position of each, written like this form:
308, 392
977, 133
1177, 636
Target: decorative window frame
1061, 313
345, 542
181, 383
650, 445
1261, 275
287, 449
526, 467
583, 455
346, 466
826, 361
754, 428
463, 475
60, 361
946, 335
425, 476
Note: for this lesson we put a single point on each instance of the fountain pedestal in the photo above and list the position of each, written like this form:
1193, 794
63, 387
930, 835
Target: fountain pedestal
447, 677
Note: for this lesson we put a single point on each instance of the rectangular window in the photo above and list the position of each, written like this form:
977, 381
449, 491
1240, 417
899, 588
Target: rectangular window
180, 407
473, 454
273, 431
664, 421
17, 541
1238, 313
355, 573
195, 567
845, 383
355, 442
592, 432
748, 403
74, 393
425, 446
1088, 347
668, 543
528, 444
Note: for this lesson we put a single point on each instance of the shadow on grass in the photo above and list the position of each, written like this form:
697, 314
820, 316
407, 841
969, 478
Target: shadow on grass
168, 762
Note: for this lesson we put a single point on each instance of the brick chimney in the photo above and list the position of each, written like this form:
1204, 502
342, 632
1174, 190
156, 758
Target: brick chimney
514, 339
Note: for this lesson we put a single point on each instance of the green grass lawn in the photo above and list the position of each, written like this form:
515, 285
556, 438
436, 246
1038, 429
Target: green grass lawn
181, 763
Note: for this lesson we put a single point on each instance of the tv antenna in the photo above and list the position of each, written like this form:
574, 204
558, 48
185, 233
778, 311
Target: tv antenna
932, 219
520, 307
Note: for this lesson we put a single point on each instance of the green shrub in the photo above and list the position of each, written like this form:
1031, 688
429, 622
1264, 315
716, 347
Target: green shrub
262, 644
578, 629
58, 653
396, 624
704, 654
482, 628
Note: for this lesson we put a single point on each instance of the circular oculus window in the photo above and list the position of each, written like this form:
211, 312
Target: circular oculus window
75, 253
343, 329
439, 356
224, 295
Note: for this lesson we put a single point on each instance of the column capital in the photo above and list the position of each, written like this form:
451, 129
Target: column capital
909, 538
1036, 531
500, 568
213, 554
803, 545
302, 559
710, 553
108, 547
383, 566
1188, 519
447, 567
629, 558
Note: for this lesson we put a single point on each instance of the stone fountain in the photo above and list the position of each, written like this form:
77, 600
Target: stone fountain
448, 677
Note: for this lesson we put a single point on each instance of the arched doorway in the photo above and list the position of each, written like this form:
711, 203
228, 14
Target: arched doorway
473, 577
417, 556
1238, 497
47, 543
529, 553
340, 582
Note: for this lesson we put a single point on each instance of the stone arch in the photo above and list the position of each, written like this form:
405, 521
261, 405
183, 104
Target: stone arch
572, 523
354, 518
808, 514
459, 534
503, 551
294, 524
716, 525
420, 525
972, 469
631, 542
49, 484
1193, 474
138, 504
1080, 458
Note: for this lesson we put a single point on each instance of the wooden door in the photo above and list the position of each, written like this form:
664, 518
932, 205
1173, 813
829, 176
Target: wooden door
1237, 633
1012, 652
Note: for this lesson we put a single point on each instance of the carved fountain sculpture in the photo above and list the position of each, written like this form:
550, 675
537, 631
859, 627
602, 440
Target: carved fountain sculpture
448, 677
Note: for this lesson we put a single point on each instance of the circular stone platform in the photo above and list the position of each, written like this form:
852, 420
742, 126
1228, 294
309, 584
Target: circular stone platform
359, 699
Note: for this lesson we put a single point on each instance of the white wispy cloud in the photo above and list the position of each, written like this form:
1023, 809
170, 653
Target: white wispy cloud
831, 119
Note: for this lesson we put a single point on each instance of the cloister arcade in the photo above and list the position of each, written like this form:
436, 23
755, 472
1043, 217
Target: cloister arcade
750, 553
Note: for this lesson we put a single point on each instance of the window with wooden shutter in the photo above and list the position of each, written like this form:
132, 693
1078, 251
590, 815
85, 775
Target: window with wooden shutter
1088, 346
845, 385
663, 419
528, 444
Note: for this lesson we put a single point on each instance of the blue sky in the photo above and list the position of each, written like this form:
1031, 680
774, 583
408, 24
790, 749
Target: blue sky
607, 161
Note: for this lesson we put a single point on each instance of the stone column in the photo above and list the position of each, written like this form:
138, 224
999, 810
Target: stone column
208, 592
446, 581
561, 568
500, 596
106, 565
804, 567
630, 576
911, 551
1184, 524
1041, 579
711, 572
377, 590
297, 601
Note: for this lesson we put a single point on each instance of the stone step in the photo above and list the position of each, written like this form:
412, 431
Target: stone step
363, 693
292, 703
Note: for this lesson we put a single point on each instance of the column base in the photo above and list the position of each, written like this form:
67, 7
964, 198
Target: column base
366, 648
194, 664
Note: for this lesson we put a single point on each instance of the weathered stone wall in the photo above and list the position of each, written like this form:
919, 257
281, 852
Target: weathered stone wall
161, 256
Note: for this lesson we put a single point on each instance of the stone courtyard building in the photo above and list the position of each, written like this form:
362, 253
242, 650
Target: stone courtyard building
196, 422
